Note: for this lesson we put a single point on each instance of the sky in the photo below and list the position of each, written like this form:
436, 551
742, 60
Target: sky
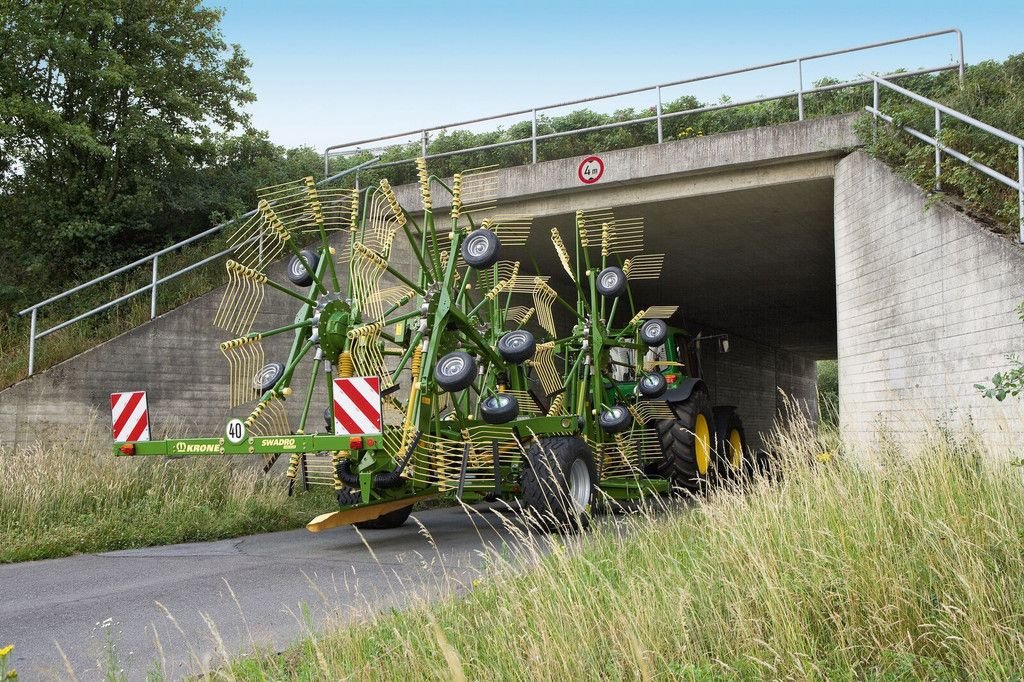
331, 72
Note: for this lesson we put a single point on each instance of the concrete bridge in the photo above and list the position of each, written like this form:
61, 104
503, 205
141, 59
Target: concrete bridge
787, 238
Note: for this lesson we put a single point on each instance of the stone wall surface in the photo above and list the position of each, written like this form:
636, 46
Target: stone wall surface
925, 302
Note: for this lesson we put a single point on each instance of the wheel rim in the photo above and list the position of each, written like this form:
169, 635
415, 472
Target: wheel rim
735, 449
515, 340
476, 245
610, 280
452, 366
579, 484
702, 443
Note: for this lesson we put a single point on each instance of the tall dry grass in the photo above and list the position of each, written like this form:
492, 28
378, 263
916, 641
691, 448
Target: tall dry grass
74, 497
905, 563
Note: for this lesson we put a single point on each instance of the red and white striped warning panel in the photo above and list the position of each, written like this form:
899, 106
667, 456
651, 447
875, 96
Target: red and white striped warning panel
357, 406
131, 416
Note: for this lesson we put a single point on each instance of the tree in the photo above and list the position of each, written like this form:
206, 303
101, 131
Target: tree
107, 111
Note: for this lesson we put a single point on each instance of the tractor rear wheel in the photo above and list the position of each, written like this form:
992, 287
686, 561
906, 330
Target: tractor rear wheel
688, 443
558, 482
736, 463
393, 519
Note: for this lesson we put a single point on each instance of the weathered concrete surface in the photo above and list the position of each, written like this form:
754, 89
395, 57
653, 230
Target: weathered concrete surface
163, 608
925, 300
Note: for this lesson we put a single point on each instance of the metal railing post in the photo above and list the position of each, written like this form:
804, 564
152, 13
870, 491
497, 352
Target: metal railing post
423, 144
32, 343
152, 301
875, 100
960, 49
658, 112
327, 168
800, 89
533, 137
1020, 190
938, 150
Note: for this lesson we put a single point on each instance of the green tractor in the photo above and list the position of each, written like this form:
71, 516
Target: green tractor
468, 376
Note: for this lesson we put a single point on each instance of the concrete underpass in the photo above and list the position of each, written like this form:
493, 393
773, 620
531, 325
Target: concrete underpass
784, 238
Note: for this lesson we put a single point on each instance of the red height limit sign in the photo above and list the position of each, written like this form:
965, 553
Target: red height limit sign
590, 170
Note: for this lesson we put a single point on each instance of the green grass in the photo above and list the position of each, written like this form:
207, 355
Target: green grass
72, 498
908, 567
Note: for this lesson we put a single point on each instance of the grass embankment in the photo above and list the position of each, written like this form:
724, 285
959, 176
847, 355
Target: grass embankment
73, 498
912, 569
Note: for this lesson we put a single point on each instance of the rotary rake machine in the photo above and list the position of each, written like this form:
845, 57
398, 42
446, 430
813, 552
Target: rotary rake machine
470, 376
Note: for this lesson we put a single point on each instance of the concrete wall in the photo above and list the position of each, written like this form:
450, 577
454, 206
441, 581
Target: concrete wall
751, 376
925, 306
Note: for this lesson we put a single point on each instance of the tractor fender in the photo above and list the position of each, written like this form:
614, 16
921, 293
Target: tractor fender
683, 391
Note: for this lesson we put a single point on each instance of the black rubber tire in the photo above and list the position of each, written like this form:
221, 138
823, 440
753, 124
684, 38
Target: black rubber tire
652, 386
615, 419
393, 519
545, 483
297, 273
455, 371
499, 409
611, 282
653, 332
678, 443
267, 377
517, 346
728, 422
480, 248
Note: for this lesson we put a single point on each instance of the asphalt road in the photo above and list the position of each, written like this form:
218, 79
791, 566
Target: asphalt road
181, 609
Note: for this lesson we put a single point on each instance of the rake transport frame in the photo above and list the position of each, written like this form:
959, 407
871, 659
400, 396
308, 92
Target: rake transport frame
467, 398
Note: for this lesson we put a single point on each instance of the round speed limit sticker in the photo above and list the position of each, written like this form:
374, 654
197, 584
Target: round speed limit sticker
590, 170
235, 431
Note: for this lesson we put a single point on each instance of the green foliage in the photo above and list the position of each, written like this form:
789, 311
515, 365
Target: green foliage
1009, 382
76, 497
121, 131
828, 393
991, 93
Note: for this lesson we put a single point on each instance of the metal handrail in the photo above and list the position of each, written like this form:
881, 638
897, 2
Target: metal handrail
660, 116
155, 281
942, 148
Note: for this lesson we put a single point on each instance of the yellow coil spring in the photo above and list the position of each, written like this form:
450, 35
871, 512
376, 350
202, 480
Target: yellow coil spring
314, 199
563, 254
293, 465
636, 318
345, 364
256, 412
273, 222
254, 275
605, 239
556, 405
414, 364
335, 460
365, 330
392, 200
237, 343
456, 196
421, 171
581, 229
369, 255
